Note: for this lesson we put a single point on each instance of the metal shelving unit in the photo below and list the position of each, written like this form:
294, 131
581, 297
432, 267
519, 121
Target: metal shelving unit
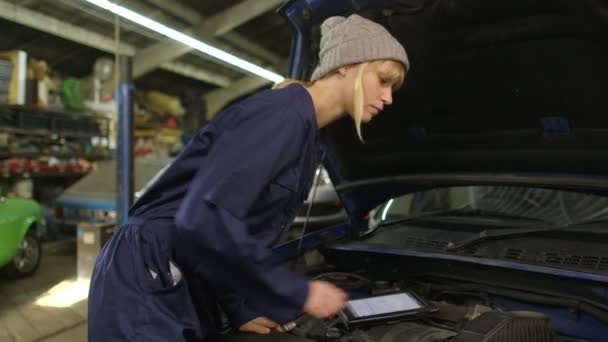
26, 120
57, 140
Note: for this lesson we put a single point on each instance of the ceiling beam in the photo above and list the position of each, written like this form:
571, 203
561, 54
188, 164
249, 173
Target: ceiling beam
206, 29
217, 99
191, 16
245, 44
148, 59
26, 3
237, 15
183, 69
197, 73
107, 17
179, 10
44, 23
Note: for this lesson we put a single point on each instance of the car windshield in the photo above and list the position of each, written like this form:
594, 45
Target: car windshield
500, 204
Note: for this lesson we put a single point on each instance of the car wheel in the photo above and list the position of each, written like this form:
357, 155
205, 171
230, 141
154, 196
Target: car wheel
28, 256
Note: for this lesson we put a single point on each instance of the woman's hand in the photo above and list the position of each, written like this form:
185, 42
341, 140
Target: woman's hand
260, 325
324, 299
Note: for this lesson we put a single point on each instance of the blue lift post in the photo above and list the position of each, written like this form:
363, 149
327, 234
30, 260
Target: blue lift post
124, 169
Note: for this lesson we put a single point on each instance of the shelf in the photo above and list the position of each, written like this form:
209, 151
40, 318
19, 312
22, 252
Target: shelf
50, 112
28, 168
33, 155
42, 132
43, 175
42, 122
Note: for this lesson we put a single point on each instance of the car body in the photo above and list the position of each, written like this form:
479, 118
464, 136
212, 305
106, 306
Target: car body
325, 206
484, 186
20, 223
93, 198
321, 209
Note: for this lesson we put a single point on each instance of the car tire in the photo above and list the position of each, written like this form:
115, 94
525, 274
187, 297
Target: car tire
28, 257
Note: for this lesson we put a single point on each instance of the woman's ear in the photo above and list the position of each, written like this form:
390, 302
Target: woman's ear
342, 71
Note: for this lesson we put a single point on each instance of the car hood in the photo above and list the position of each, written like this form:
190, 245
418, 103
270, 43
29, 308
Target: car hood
508, 92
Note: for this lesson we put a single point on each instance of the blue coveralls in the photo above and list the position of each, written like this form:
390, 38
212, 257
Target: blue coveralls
213, 215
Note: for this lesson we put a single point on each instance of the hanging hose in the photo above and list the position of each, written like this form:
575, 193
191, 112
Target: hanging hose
315, 184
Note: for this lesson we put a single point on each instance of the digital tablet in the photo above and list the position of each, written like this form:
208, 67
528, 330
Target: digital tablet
385, 308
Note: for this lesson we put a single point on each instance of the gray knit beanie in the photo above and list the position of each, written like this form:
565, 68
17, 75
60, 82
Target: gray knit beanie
353, 40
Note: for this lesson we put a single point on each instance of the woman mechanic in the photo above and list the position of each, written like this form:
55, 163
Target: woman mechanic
193, 262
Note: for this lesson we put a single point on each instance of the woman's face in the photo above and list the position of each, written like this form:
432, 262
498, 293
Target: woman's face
379, 80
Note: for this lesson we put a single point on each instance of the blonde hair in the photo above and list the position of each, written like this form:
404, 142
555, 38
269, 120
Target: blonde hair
359, 99
289, 81
394, 75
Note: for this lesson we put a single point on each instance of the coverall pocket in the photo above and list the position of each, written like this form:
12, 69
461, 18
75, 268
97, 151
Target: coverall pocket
161, 276
173, 298
168, 302
159, 279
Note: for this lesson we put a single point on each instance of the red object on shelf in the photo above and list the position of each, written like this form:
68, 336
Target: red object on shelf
34, 168
171, 123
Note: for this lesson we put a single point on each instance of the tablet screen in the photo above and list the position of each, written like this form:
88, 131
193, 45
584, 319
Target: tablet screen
382, 305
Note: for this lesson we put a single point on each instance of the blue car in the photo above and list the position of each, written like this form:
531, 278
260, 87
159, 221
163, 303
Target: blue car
484, 188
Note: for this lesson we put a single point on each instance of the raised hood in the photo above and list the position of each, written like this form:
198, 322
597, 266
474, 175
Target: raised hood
498, 92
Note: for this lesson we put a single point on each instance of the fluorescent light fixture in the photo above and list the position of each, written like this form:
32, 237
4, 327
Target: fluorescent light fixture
187, 40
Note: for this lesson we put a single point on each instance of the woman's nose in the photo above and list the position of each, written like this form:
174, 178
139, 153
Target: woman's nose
387, 96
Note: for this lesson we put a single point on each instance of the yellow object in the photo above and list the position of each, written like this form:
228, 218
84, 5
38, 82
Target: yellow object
163, 103
168, 135
37, 69
17, 85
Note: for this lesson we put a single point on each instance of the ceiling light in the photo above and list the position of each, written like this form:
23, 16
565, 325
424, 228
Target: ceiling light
187, 40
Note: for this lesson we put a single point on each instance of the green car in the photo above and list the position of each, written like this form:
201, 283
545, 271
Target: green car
20, 248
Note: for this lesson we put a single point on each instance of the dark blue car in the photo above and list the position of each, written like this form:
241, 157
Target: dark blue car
483, 188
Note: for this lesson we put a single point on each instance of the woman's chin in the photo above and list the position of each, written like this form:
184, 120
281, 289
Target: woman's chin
366, 117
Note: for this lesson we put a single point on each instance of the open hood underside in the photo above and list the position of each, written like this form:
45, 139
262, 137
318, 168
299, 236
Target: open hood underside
495, 87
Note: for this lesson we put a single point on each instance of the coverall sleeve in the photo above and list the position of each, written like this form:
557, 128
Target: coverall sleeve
211, 221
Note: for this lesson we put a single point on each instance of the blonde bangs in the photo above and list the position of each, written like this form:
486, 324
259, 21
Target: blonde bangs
395, 74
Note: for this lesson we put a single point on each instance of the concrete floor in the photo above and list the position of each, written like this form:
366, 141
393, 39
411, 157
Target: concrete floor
48, 306
75, 334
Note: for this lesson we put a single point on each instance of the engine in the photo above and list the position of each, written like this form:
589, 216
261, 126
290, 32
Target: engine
458, 319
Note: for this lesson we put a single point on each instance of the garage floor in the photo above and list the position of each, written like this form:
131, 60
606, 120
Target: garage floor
49, 306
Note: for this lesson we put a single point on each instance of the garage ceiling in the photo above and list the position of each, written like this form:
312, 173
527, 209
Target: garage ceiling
71, 34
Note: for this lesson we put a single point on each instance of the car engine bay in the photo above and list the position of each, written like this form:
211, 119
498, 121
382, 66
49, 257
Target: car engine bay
461, 317
521, 287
